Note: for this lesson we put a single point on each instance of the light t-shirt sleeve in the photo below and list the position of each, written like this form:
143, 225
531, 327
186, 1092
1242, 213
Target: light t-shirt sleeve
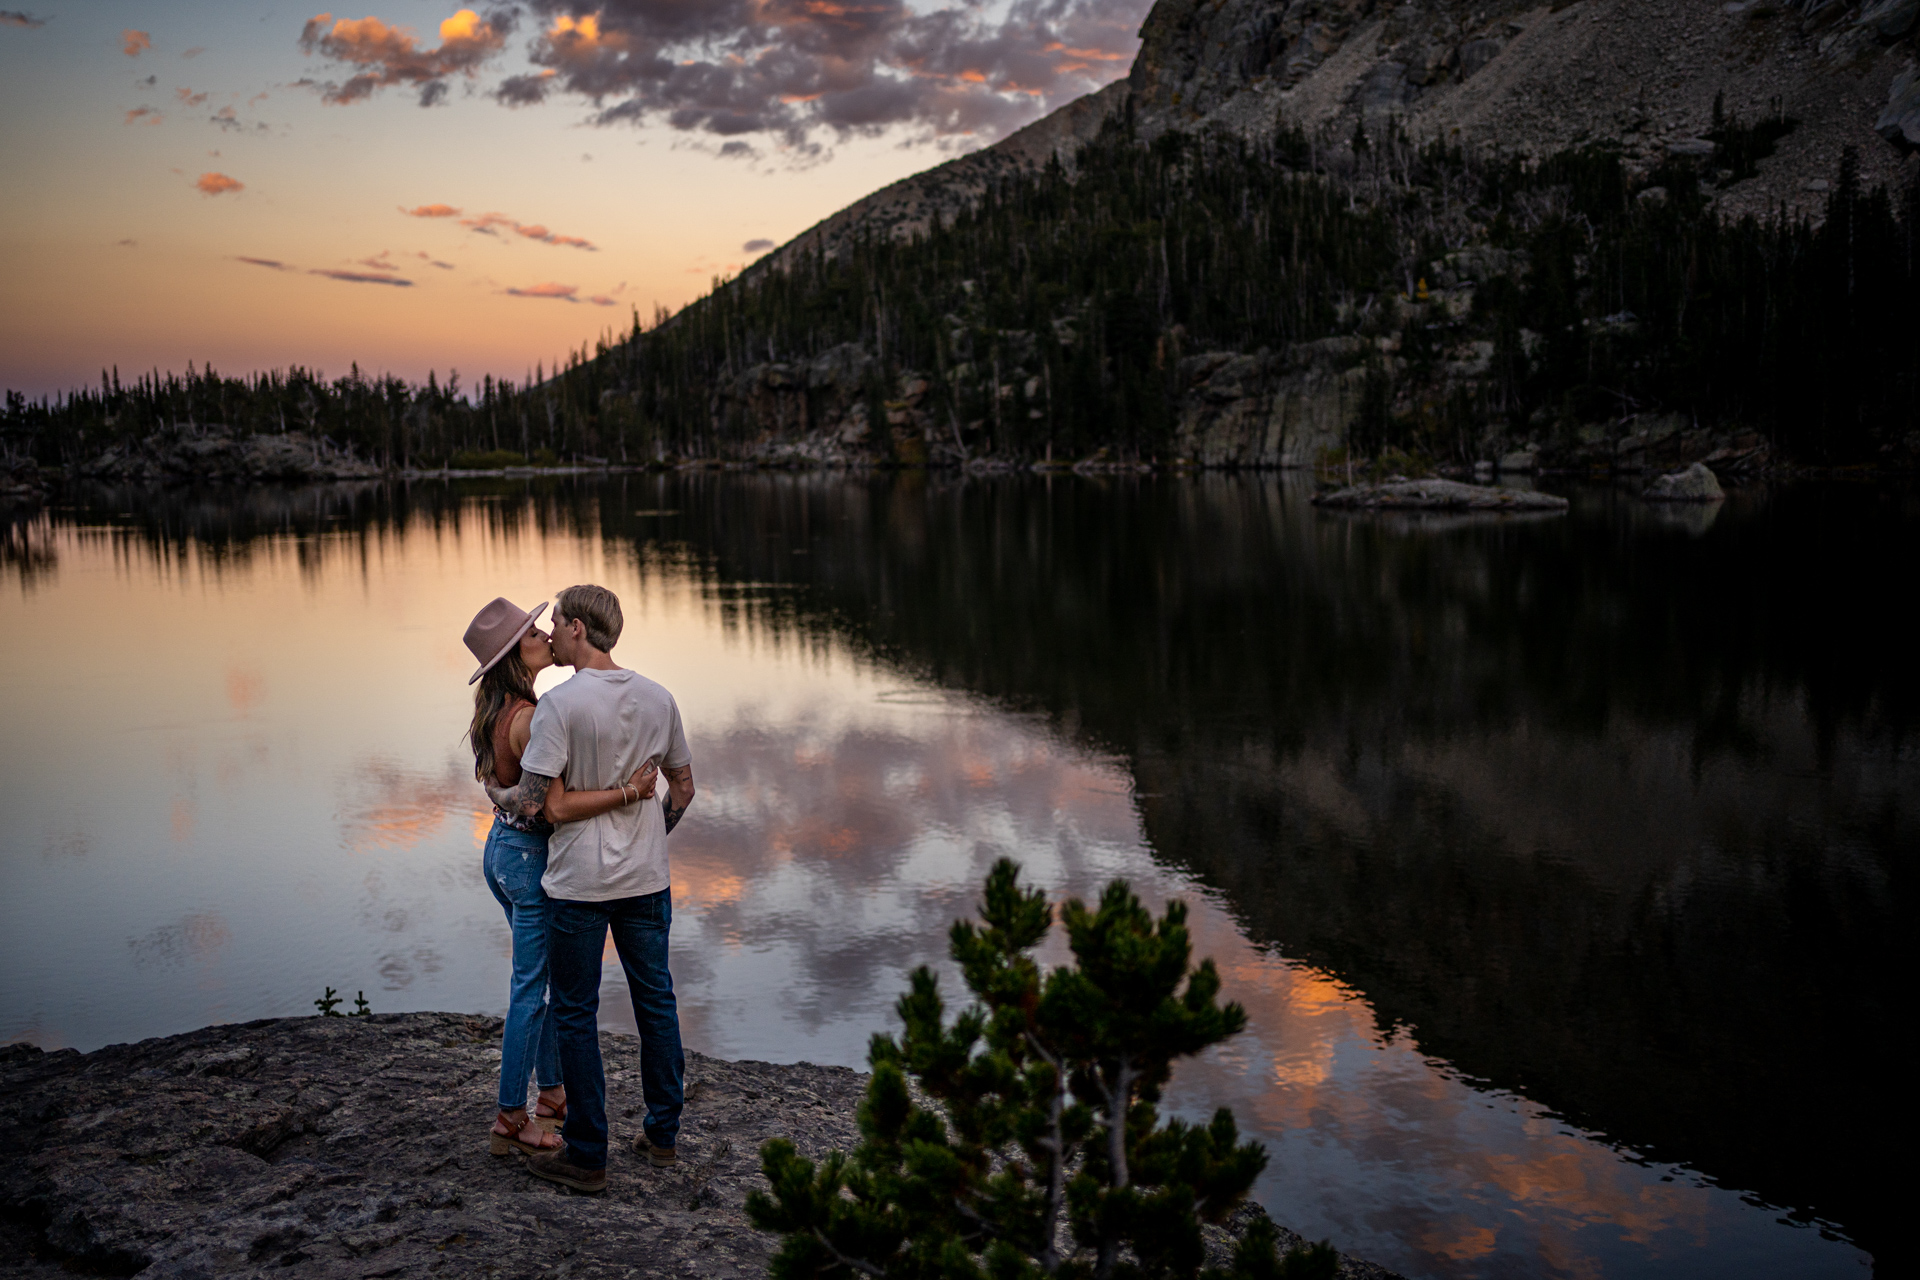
676, 756
546, 752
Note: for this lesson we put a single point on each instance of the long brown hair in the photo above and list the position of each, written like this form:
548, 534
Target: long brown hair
505, 681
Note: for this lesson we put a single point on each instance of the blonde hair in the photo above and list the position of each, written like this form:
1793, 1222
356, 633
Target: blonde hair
598, 608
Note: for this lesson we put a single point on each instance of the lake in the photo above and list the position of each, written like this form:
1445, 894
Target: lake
1563, 865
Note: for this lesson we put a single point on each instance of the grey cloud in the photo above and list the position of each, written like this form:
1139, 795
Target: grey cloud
15, 18
359, 277
796, 68
756, 246
229, 120
522, 91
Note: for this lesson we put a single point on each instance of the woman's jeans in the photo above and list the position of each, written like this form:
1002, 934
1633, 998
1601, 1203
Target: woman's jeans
515, 861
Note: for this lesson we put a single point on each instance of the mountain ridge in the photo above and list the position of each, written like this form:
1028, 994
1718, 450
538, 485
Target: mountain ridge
1502, 76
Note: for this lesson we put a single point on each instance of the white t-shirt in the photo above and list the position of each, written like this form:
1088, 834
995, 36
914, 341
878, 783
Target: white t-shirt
594, 730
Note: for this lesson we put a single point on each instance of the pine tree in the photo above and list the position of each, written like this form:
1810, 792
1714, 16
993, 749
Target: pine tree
1043, 1153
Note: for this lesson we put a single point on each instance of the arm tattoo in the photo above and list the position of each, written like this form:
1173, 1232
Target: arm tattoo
671, 814
530, 796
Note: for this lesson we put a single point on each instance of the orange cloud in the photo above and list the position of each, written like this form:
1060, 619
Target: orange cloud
145, 115
486, 222
389, 55
586, 30
133, 43
564, 292
602, 300
1088, 55
431, 211
189, 97
213, 184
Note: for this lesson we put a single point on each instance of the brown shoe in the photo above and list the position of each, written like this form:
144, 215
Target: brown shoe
658, 1157
557, 1168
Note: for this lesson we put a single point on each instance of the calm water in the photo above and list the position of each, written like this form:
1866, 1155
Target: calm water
1563, 866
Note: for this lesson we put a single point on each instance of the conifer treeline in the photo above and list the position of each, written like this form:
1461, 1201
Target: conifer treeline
382, 419
1054, 314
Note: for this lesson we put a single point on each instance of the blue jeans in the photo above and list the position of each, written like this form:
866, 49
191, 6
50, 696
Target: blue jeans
576, 940
515, 861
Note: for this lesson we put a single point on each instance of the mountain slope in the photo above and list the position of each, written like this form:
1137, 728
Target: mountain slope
1496, 75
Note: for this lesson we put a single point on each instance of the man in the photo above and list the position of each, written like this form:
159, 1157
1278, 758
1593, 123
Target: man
606, 873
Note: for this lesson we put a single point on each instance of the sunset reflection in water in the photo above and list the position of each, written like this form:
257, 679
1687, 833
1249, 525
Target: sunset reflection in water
257, 788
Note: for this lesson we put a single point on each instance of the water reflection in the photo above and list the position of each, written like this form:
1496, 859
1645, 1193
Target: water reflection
1517, 838
1603, 817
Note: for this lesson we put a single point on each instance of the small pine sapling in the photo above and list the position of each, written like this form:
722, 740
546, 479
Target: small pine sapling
361, 1009
329, 1005
1043, 1154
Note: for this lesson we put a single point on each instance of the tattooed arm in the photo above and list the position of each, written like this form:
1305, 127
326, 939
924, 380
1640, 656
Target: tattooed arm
679, 794
526, 797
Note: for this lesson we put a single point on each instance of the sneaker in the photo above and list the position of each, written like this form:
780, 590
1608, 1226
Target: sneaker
557, 1168
658, 1157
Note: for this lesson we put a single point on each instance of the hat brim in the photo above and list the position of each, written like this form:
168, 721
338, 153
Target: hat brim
507, 648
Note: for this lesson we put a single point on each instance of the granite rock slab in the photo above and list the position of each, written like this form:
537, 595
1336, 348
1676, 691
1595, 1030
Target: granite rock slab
357, 1147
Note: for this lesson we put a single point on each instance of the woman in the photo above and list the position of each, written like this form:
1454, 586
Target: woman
512, 650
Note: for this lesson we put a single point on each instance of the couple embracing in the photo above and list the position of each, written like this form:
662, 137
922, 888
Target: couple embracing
578, 848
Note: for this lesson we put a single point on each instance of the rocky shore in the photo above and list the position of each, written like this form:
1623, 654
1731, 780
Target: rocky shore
356, 1147
211, 454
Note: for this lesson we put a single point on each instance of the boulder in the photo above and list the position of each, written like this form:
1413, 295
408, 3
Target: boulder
1475, 54
1900, 122
1891, 19
1522, 462
1696, 484
1438, 495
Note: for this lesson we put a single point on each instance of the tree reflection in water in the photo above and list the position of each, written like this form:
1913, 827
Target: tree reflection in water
1603, 810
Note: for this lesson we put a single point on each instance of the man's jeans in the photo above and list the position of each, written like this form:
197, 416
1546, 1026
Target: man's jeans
514, 862
576, 940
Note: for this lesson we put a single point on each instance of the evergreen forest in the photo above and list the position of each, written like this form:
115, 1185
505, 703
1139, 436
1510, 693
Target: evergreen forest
1053, 317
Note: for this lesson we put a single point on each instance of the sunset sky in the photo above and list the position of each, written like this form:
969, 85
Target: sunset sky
429, 186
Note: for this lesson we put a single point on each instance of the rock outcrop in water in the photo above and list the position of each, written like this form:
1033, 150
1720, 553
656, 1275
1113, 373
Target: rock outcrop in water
1696, 484
356, 1147
1438, 495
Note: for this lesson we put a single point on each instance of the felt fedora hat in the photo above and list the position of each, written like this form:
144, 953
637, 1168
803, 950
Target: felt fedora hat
496, 629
